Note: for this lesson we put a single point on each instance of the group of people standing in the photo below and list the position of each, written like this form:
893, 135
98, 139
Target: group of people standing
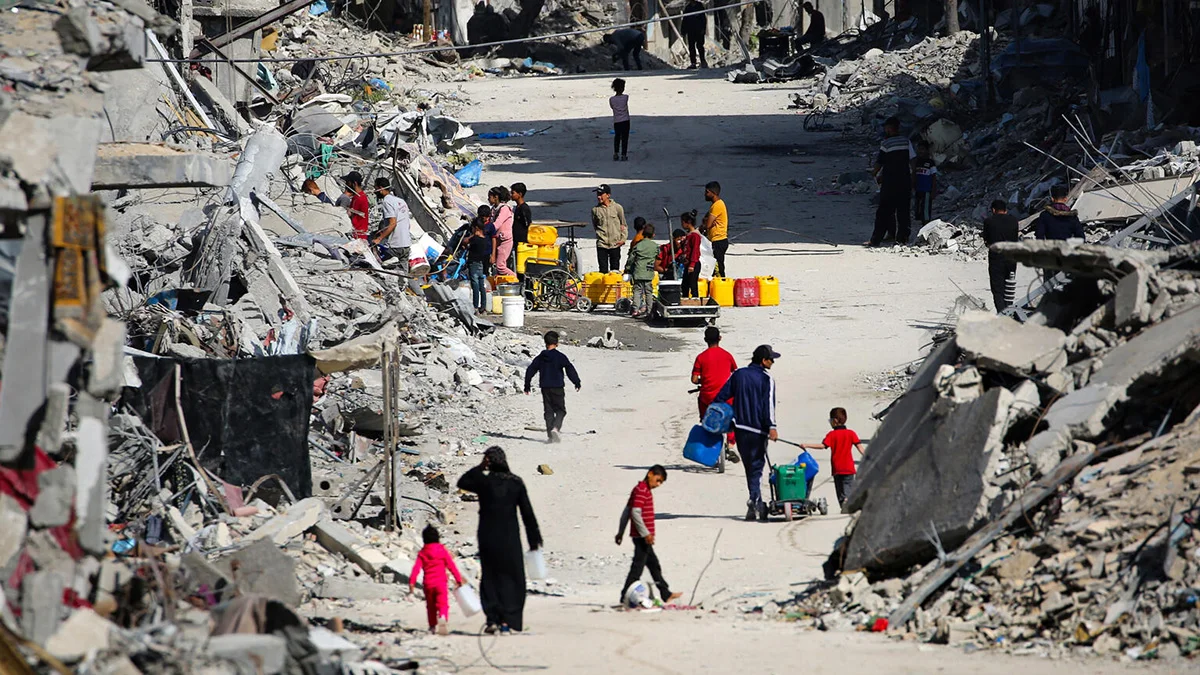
392, 237
492, 237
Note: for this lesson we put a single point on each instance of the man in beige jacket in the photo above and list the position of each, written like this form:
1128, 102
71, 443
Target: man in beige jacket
608, 219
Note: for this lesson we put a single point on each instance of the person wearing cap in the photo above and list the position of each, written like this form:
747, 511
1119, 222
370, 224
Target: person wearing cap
753, 392
711, 371
608, 219
395, 237
359, 204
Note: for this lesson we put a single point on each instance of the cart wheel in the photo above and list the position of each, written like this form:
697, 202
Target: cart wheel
787, 511
823, 506
528, 304
583, 304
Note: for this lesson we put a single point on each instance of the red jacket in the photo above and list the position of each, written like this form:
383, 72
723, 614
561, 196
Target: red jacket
690, 255
435, 560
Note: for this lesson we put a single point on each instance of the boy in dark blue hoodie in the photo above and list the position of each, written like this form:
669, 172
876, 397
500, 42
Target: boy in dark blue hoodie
550, 366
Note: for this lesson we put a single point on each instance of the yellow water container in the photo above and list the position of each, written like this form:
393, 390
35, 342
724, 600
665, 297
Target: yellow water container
497, 304
524, 253
593, 286
654, 283
768, 291
721, 290
612, 288
547, 253
702, 286
504, 279
543, 235
626, 289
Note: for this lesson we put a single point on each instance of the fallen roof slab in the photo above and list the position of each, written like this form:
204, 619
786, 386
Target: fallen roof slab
123, 166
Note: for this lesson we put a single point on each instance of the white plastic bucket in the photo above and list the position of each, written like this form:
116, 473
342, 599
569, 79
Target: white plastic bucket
418, 265
514, 311
468, 600
535, 562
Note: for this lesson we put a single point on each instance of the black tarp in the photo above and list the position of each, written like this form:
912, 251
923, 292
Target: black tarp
247, 418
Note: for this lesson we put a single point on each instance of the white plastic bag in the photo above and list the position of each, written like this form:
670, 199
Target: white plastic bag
708, 262
535, 565
468, 600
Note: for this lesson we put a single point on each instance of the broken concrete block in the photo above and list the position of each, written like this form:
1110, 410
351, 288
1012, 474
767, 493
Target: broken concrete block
1046, 450
54, 423
41, 605
1130, 301
182, 528
1027, 402
959, 386
943, 485
91, 478
1004, 344
333, 646
338, 539
123, 166
264, 654
201, 573
402, 566
83, 632
56, 495
291, 523
264, 569
13, 525
1081, 413
1152, 352
78, 32
1090, 261
335, 587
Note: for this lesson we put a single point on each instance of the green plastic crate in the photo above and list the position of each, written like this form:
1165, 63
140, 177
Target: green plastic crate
790, 484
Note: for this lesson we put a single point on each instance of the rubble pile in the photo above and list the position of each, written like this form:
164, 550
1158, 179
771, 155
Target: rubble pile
1035, 488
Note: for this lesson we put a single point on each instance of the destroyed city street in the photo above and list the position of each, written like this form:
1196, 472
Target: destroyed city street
599, 336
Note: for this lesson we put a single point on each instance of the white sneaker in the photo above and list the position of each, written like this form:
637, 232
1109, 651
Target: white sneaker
443, 628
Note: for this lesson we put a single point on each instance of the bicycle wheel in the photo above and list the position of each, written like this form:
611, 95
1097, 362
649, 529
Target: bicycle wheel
559, 290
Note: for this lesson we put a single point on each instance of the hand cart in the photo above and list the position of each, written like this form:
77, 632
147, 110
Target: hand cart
708, 312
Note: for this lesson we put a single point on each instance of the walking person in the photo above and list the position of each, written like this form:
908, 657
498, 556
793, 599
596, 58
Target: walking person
550, 366
711, 370
502, 220
690, 256
395, 235
626, 42
716, 225
608, 219
639, 515
693, 28
840, 441
435, 560
753, 392
893, 173
619, 102
1002, 272
640, 268
502, 495
479, 256
925, 175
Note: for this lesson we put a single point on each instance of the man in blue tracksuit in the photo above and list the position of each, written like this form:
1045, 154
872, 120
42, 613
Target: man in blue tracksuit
753, 392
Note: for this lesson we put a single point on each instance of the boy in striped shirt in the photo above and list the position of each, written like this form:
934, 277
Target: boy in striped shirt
639, 513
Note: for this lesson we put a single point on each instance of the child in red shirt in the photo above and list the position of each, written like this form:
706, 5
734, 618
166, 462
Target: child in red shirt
639, 515
839, 441
435, 560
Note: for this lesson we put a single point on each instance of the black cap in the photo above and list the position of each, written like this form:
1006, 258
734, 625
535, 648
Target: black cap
604, 189
353, 177
764, 352
382, 183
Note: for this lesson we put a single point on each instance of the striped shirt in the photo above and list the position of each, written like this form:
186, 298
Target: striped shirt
641, 507
895, 157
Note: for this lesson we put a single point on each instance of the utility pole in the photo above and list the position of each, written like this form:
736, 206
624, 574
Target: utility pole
951, 7
185, 26
428, 18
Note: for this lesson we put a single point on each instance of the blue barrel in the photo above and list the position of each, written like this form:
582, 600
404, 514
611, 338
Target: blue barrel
718, 419
703, 446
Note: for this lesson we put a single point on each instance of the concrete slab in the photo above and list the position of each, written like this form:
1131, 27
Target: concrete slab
291, 523
264, 569
264, 654
335, 587
943, 486
123, 166
41, 605
1130, 301
26, 344
1154, 350
56, 495
1046, 450
1083, 260
334, 646
91, 481
1004, 344
13, 525
1081, 413
340, 540
82, 633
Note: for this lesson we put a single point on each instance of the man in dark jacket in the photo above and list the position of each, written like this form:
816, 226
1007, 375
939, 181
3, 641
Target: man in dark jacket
815, 35
550, 366
753, 392
1058, 221
627, 41
1002, 272
694, 28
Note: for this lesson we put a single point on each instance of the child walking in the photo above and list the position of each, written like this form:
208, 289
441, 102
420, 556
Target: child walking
619, 102
550, 366
639, 513
924, 183
434, 559
839, 441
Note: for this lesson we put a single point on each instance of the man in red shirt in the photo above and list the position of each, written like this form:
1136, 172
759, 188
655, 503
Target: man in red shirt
712, 368
840, 441
360, 206
639, 514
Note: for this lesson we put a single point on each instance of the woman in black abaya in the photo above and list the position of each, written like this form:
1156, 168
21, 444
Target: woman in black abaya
501, 495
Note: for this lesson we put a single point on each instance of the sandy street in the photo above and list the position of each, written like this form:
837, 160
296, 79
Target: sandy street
846, 312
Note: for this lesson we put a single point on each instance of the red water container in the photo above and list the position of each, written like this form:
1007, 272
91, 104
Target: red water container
745, 292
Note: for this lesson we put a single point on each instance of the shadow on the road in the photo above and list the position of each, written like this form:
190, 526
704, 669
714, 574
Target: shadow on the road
698, 516
510, 437
686, 468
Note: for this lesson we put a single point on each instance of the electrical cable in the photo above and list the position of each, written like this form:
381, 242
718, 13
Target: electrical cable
455, 48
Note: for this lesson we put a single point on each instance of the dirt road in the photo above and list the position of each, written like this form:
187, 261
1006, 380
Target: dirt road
846, 312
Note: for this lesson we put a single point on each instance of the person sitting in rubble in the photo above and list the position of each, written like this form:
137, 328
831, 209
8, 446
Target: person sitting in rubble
343, 200
1058, 221
477, 25
626, 42
815, 35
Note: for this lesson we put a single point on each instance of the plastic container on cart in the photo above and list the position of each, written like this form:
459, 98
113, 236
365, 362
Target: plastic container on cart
703, 446
791, 484
745, 292
721, 290
543, 235
669, 292
524, 253
768, 291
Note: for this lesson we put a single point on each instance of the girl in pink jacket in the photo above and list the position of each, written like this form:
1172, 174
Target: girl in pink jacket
435, 560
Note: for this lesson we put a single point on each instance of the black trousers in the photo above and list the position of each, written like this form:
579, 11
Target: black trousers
719, 249
842, 485
643, 557
691, 283
923, 207
609, 259
554, 407
892, 217
1002, 275
621, 138
695, 45
636, 52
